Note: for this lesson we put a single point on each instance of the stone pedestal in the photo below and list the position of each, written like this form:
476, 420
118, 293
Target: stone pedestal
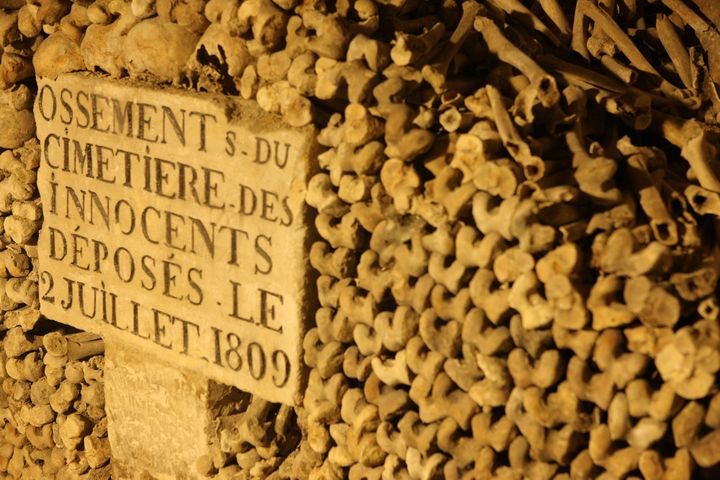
159, 416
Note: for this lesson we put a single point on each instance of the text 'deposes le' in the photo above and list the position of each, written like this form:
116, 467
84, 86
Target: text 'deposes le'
175, 221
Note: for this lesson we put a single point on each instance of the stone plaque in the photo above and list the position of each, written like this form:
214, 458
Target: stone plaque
175, 221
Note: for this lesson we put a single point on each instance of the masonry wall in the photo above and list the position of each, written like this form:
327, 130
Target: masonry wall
518, 208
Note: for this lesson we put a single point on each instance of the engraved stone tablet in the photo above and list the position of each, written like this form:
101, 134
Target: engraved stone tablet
175, 222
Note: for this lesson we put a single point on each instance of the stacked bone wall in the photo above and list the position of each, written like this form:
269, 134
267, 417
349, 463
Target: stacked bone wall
517, 208
52, 402
54, 416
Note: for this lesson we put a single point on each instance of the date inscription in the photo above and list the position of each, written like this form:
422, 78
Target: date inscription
176, 221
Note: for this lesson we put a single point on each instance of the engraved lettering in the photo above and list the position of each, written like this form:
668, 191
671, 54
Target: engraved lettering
173, 223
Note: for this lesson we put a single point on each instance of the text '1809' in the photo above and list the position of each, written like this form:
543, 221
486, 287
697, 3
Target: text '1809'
176, 222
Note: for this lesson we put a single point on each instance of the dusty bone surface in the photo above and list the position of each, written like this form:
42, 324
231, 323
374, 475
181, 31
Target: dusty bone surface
600, 363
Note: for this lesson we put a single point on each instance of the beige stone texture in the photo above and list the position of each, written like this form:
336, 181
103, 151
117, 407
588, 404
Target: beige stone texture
175, 222
158, 416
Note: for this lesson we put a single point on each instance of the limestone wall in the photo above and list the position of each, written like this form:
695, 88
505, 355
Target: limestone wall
517, 208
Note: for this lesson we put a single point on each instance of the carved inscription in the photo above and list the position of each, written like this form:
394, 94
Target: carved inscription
175, 221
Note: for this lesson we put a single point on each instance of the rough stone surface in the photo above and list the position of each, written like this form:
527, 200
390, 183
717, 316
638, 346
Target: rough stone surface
158, 416
175, 222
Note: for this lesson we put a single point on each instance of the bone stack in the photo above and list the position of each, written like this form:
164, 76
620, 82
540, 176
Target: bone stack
40, 404
54, 406
53, 417
517, 210
257, 440
517, 280
19, 160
